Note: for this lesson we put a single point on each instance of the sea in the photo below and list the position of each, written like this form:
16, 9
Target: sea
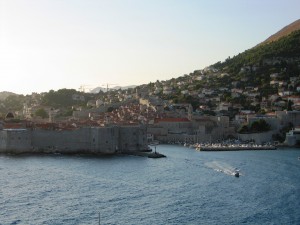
186, 187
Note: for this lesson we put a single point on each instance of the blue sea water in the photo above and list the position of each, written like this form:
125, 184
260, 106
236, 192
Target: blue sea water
187, 187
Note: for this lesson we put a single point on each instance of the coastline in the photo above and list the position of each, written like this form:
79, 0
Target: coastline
144, 153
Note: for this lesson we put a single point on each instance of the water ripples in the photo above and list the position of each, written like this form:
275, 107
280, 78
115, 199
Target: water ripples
187, 187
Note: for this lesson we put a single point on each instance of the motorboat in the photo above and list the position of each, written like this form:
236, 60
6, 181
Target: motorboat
236, 173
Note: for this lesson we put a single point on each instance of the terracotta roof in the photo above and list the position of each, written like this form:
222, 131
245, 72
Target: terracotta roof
13, 126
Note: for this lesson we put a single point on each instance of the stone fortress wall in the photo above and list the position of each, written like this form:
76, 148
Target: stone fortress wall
104, 140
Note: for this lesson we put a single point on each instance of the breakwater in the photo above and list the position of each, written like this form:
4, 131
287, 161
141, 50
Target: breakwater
236, 147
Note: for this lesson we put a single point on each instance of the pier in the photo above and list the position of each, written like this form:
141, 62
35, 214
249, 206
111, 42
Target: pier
235, 147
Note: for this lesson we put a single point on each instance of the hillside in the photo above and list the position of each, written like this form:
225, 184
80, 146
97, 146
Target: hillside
284, 32
249, 73
5, 94
246, 81
98, 89
285, 47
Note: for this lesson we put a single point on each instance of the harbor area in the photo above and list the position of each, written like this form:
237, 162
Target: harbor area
234, 147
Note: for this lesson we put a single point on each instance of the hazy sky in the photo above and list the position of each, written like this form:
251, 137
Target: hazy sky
53, 44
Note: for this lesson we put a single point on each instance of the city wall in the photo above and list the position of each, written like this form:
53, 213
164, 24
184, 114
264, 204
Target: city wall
104, 140
18, 140
259, 138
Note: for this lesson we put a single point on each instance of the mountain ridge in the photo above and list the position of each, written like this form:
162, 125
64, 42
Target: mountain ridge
286, 46
283, 32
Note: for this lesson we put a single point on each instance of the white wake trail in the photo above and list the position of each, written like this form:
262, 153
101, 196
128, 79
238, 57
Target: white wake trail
222, 167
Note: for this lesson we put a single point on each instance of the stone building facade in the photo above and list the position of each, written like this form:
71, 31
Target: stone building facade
199, 129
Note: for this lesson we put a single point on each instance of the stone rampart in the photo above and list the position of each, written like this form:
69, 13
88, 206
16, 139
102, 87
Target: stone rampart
104, 140
15, 140
259, 138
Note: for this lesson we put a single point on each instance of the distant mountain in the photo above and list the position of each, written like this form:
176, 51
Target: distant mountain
283, 32
5, 94
97, 89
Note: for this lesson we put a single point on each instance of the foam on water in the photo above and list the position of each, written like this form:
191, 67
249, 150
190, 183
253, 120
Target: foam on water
223, 167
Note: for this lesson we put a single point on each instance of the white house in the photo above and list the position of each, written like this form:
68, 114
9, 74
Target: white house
274, 75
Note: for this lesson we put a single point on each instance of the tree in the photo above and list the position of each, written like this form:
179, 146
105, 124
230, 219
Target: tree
60, 98
289, 106
256, 127
260, 126
243, 129
110, 109
41, 113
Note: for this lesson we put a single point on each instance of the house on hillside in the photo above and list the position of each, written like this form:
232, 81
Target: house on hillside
77, 97
224, 106
274, 75
167, 90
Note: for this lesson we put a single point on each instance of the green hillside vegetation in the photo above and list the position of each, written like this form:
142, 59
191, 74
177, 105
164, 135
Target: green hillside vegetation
61, 98
256, 127
12, 103
285, 47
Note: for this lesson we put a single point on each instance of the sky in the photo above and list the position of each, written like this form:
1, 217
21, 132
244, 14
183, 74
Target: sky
53, 44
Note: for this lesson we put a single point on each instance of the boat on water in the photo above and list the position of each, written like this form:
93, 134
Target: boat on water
237, 174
